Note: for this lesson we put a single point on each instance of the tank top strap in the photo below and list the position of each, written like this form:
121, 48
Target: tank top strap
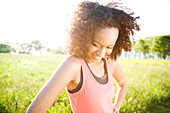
87, 75
85, 70
108, 69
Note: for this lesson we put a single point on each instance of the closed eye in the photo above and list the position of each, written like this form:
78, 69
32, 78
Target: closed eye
111, 47
95, 45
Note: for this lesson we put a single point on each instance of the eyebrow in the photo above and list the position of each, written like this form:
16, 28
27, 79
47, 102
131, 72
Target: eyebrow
100, 43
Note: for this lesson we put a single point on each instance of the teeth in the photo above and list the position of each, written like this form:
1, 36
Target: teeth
98, 58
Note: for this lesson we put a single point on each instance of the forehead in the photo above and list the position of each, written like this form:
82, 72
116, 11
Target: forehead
106, 35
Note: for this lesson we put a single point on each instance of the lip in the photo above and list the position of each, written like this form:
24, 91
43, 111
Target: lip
96, 58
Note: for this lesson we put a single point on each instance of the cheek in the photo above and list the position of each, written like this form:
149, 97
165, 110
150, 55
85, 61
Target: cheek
109, 52
92, 49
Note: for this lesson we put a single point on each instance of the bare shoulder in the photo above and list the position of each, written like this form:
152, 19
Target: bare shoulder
67, 71
72, 62
72, 58
72, 65
114, 64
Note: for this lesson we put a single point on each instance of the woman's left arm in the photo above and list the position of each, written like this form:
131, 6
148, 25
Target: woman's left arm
122, 84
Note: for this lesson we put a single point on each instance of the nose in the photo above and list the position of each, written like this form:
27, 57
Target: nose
101, 52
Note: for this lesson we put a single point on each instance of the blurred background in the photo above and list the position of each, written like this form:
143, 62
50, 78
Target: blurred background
32, 37
38, 27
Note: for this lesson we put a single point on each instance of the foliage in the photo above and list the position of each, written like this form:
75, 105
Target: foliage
22, 76
161, 45
28, 48
36, 45
6, 48
58, 51
149, 41
141, 46
48, 50
25, 48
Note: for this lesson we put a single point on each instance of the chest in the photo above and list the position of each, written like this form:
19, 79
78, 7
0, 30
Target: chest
98, 70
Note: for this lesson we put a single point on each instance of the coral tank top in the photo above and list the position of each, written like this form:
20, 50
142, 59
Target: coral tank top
93, 97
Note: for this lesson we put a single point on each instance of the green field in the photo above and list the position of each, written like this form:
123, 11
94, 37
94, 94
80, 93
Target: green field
22, 76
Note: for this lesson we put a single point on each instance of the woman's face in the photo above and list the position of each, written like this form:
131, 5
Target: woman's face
102, 43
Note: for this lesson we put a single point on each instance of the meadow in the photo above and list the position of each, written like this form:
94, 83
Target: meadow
22, 76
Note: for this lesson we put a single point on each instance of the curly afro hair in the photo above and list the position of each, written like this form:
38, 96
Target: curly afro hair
90, 16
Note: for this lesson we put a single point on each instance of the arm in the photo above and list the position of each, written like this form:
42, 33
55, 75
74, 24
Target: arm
50, 91
121, 80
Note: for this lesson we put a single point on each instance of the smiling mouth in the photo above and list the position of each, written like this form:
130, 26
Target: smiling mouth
96, 58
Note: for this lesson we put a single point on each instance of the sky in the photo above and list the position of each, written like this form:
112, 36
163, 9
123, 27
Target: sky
22, 21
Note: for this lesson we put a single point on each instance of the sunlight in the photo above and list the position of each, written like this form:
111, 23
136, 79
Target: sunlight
25, 21
46, 21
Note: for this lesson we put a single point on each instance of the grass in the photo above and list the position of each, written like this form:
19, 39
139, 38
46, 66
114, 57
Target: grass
22, 76
149, 87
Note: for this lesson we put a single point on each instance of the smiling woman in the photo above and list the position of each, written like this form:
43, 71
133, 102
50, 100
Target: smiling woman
100, 47
96, 36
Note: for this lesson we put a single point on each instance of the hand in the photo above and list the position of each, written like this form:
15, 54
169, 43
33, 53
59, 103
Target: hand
115, 110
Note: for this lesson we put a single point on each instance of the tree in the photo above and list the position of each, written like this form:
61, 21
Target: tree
141, 46
58, 51
37, 45
149, 41
161, 45
5, 48
25, 48
48, 50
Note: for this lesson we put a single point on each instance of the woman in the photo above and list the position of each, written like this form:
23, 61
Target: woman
97, 35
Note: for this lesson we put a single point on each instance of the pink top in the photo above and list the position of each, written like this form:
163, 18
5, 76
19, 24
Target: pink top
93, 97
